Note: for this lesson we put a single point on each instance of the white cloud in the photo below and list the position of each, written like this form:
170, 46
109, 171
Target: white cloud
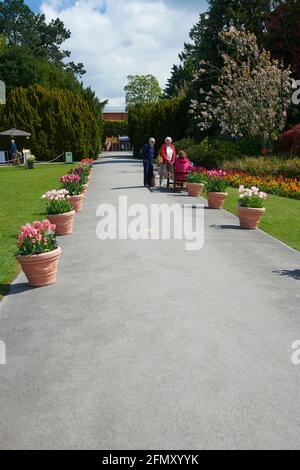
115, 38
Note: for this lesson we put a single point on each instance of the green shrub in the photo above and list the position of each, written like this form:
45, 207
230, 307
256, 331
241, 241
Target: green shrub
250, 146
220, 151
266, 166
184, 144
212, 154
30, 162
198, 152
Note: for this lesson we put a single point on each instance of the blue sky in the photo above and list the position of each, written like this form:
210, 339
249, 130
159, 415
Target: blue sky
116, 38
34, 4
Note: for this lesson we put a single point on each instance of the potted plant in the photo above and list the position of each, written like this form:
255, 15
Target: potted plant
59, 210
72, 184
38, 253
195, 183
83, 171
88, 163
30, 162
250, 208
216, 189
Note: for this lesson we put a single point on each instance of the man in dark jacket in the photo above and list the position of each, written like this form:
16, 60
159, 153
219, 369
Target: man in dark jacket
148, 153
12, 151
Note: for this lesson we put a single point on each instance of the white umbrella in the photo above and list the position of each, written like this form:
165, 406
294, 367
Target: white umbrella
15, 132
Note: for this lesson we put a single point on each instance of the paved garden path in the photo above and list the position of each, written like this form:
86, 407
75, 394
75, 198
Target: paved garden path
143, 345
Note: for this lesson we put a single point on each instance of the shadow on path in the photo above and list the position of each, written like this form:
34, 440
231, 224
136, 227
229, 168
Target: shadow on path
127, 187
293, 273
227, 227
109, 160
18, 288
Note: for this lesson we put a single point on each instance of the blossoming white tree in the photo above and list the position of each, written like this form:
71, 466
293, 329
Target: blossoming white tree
252, 94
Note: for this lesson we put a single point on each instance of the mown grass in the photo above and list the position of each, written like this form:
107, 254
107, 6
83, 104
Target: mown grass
20, 202
281, 219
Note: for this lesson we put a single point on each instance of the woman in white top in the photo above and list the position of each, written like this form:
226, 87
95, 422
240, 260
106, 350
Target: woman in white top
168, 154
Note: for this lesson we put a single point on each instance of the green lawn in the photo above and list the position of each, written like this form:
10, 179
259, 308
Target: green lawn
20, 202
281, 219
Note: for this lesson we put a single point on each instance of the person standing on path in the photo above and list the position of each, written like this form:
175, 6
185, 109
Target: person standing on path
168, 154
12, 151
148, 152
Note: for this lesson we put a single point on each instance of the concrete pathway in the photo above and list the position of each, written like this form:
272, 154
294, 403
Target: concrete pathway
143, 345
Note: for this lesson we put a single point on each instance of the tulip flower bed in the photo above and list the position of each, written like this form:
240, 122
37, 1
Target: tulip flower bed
278, 185
286, 187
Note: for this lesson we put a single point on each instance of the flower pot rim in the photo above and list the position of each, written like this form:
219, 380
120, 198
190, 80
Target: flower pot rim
77, 195
61, 214
198, 184
46, 254
217, 192
261, 209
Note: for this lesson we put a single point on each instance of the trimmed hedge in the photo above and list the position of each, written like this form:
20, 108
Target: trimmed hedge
58, 120
114, 128
168, 117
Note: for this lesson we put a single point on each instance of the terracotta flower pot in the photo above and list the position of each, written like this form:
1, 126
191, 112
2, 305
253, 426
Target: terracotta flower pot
41, 269
76, 202
64, 222
216, 200
250, 216
195, 189
84, 189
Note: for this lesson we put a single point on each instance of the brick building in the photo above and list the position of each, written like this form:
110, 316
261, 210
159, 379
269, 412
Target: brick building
115, 115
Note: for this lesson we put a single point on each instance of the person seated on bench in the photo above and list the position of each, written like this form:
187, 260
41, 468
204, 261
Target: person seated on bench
182, 166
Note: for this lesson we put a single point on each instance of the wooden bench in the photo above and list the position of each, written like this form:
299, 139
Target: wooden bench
179, 179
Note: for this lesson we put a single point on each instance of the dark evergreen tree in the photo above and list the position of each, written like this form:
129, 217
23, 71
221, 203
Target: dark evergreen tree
22, 27
282, 36
53, 104
58, 120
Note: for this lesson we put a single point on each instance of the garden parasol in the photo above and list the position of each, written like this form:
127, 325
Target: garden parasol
15, 132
